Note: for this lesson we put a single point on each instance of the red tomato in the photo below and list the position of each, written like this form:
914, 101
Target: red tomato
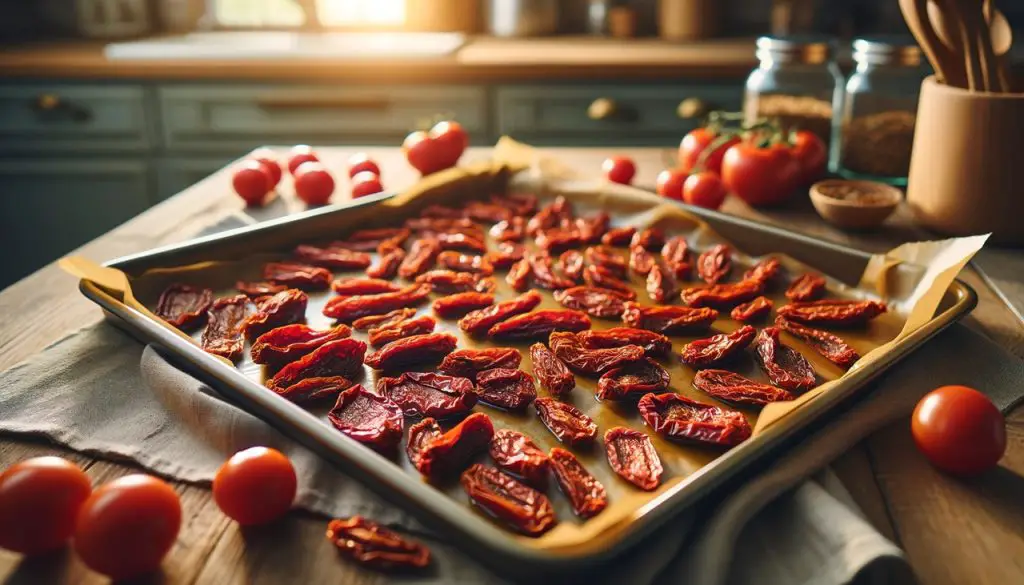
299, 154
452, 136
619, 169
127, 526
694, 143
268, 159
959, 430
670, 183
361, 162
313, 184
39, 499
365, 183
252, 181
760, 176
255, 486
811, 154
705, 189
439, 149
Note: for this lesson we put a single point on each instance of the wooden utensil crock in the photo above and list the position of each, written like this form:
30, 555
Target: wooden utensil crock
966, 169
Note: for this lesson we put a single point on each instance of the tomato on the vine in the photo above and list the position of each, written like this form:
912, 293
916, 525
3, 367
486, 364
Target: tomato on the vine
313, 183
252, 181
436, 150
811, 154
255, 486
704, 189
959, 430
39, 499
300, 153
760, 175
360, 163
695, 143
670, 183
366, 183
619, 169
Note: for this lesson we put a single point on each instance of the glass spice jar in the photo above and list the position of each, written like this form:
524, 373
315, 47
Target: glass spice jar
795, 83
876, 121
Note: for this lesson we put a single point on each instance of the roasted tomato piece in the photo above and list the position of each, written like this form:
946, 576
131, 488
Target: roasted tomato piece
458, 304
385, 320
380, 336
387, 265
512, 502
661, 286
283, 345
709, 351
452, 260
342, 357
833, 313
566, 422
806, 287
543, 269
520, 204
340, 258
363, 286
597, 302
601, 277
584, 492
669, 320
722, 295
409, 351
549, 216
428, 394
640, 260
368, 418
785, 366
606, 258
509, 230
349, 309
486, 212
254, 290
618, 237
591, 362
467, 363
515, 453
375, 546
314, 389
570, 263
461, 242
224, 322
632, 380
550, 371
506, 255
451, 452
448, 282
677, 417
420, 258
479, 322
649, 239
539, 324
592, 228
378, 236
832, 347
518, 276
284, 308
755, 310
735, 389
764, 271
654, 344
300, 276
558, 239
632, 456
676, 254
506, 388
421, 434
184, 306
714, 263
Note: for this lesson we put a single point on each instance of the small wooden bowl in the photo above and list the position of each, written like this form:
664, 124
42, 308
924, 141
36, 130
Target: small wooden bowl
857, 205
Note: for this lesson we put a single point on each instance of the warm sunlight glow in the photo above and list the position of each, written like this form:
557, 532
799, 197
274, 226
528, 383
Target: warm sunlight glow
361, 12
265, 13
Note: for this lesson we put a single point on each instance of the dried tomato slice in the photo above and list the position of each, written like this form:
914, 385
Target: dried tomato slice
550, 216
462, 242
558, 239
601, 277
543, 270
509, 230
363, 286
368, 418
519, 204
515, 453
833, 312
539, 324
632, 456
676, 254
570, 263
640, 260
314, 389
649, 239
414, 350
429, 394
284, 308
397, 236
506, 388
631, 380
785, 366
256, 289
734, 388
722, 295
712, 350
420, 258
387, 265
552, 374
619, 237
451, 452
506, 255
514, 503
380, 336
486, 212
283, 345
479, 322
340, 258
458, 304
606, 258
184, 306
342, 357
755, 310
594, 301
375, 546
458, 262
654, 344
714, 263
806, 287
301, 276
518, 276
832, 347
678, 417
421, 434
669, 320
376, 321
585, 493
661, 286
448, 281
764, 271
467, 363
592, 228
566, 422
224, 322
348, 309
591, 362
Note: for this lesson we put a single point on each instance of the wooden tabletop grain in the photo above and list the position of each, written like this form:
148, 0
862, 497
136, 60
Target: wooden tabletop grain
953, 531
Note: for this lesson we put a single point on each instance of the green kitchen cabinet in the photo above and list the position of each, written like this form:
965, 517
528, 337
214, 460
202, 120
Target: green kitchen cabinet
174, 174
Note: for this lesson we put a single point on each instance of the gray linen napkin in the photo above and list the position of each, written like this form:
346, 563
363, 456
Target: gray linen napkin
98, 391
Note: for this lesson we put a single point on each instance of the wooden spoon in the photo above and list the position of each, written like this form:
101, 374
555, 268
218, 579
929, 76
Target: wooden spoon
949, 69
966, 17
1002, 40
994, 42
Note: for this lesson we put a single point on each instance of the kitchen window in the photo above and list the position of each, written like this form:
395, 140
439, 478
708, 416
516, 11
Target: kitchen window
292, 13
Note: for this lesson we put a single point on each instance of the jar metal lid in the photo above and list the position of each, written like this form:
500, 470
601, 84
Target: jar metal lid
809, 49
887, 50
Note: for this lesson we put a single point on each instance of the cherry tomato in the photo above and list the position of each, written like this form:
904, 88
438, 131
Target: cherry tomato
705, 189
127, 526
313, 183
619, 169
365, 183
361, 162
439, 149
760, 176
39, 499
670, 183
252, 181
959, 430
811, 154
694, 143
452, 136
255, 486
299, 154
268, 159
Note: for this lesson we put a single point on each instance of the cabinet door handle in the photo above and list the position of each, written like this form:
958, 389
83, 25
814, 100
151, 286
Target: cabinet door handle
50, 104
364, 104
602, 109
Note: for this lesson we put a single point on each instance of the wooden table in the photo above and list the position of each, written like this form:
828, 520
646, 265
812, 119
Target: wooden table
954, 531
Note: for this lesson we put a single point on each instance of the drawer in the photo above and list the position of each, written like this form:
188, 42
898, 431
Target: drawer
217, 117
73, 118
597, 115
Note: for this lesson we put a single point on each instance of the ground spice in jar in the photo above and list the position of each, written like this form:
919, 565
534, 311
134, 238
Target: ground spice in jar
879, 144
795, 113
